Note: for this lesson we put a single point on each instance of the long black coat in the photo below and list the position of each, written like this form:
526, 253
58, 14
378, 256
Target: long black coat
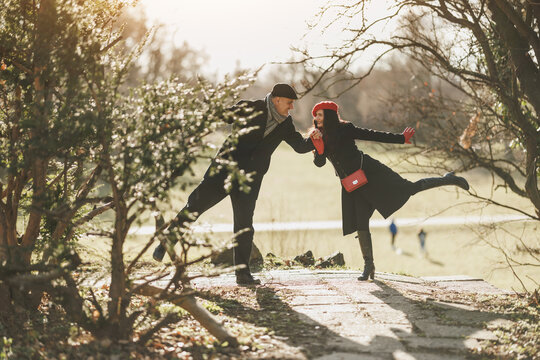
386, 190
254, 151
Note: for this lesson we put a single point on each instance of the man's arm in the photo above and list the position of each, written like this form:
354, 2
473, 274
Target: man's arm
297, 142
228, 113
243, 108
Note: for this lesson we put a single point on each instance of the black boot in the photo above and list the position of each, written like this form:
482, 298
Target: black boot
159, 253
241, 256
448, 179
244, 277
182, 219
364, 237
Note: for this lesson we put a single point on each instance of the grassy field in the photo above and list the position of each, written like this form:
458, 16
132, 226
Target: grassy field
295, 190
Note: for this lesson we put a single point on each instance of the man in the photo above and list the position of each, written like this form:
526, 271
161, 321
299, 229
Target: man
271, 125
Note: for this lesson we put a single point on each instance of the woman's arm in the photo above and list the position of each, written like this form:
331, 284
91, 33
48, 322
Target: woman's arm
374, 135
299, 143
319, 160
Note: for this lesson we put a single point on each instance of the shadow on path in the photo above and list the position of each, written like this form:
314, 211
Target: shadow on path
309, 337
441, 329
389, 324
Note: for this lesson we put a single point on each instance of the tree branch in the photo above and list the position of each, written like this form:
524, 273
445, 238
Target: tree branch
525, 30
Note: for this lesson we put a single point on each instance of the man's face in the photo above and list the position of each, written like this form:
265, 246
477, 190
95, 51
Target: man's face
283, 105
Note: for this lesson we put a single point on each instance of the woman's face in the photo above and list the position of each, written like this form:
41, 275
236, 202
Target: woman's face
319, 118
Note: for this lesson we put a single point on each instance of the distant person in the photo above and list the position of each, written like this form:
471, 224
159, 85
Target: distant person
253, 151
422, 239
385, 190
393, 233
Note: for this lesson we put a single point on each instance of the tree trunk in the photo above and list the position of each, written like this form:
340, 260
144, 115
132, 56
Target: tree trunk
118, 303
531, 184
8, 234
6, 305
205, 318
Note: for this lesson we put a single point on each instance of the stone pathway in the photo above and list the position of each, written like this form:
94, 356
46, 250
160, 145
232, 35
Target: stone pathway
394, 317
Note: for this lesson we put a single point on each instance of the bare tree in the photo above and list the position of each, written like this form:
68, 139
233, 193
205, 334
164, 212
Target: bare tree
488, 50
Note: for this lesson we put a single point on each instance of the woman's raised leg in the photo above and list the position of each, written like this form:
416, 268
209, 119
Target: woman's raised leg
448, 179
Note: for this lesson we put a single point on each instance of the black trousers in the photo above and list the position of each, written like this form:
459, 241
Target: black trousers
208, 193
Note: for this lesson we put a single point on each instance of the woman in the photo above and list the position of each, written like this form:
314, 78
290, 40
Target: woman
385, 190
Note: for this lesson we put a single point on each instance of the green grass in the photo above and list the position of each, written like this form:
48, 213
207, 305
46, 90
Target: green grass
296, 190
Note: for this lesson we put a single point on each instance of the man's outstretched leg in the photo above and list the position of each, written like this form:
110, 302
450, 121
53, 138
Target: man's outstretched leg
243, 208
208, 193
184, 217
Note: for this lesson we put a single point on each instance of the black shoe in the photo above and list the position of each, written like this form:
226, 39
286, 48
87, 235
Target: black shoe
159, 253
246, 279
369, 272
457, 180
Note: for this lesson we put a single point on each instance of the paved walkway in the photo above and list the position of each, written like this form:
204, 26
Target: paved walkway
394, 317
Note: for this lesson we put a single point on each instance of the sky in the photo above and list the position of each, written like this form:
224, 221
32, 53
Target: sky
248, 33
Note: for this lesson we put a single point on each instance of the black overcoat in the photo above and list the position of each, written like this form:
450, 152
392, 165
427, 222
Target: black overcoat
386, 190
253, 151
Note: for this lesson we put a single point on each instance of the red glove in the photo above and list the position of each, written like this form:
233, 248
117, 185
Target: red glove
317, 141
408, 133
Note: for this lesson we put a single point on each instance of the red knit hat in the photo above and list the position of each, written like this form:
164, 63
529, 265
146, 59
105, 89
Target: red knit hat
325, 105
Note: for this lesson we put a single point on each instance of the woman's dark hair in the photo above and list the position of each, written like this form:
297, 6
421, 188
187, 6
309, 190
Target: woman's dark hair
331, 124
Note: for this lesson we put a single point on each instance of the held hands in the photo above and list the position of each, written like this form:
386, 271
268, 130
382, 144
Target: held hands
408, 133
315, 134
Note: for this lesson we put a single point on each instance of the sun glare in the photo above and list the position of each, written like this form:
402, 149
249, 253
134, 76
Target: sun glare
243, 33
